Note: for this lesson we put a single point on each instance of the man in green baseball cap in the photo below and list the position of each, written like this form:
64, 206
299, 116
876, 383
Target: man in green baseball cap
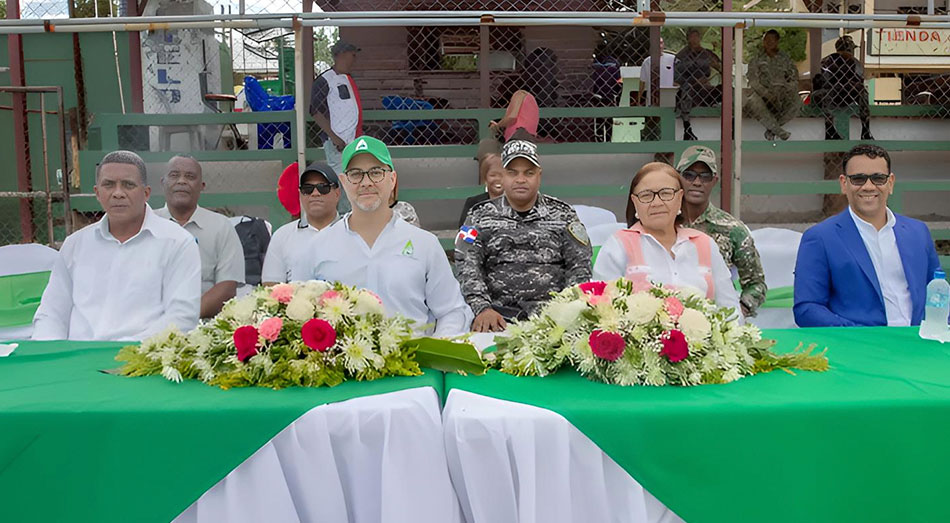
374, 249
700, 172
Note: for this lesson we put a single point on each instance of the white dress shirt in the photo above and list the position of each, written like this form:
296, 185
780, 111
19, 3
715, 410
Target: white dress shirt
406, 267
101, 289
283, 246
679, 270
882, 245
222, 256
666, 74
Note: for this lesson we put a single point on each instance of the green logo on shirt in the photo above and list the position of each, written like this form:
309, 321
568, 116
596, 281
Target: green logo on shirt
408, 250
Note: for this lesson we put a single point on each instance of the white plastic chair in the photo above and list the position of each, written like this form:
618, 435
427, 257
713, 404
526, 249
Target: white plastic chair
778, 249
599, 234
593, 216
24, 259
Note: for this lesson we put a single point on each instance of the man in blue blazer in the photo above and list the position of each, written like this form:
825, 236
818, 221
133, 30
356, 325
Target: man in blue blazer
867, 265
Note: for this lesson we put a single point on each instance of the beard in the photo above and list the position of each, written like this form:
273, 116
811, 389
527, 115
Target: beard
368, 207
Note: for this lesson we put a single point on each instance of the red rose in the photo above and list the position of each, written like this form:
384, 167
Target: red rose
593, 287
318, 334
675, 347
246, 340
606, 345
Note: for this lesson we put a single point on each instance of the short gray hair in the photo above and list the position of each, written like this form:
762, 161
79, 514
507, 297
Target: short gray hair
126, 157
186, 157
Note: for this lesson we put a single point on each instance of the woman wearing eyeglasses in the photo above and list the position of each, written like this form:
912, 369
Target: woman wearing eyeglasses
657, 248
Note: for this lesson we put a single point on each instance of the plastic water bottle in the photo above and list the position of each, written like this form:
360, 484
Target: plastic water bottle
934, 326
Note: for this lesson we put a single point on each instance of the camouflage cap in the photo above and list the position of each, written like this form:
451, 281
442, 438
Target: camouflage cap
845, 43
698, 153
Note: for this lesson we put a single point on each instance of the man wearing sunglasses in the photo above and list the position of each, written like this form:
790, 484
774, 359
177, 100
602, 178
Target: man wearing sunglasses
319, 195
372, 248
866, 266
700, 172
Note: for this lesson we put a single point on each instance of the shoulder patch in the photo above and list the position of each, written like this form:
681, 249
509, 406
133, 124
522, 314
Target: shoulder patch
465, 237
579, 232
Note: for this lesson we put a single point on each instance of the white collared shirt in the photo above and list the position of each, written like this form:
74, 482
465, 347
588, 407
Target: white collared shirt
406, 267
101, 289
882, 245
283, 247
679, 270
222, 256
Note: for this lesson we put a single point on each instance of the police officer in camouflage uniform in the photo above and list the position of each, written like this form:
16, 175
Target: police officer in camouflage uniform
692, 68
514, 250
773, 99
700, 172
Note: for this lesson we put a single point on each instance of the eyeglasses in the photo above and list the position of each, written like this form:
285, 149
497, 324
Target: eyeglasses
690, 176
376, 174
858, 180
322, 188
648, 196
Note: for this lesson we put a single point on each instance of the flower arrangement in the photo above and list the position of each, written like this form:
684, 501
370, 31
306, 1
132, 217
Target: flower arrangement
614, 333
306, 334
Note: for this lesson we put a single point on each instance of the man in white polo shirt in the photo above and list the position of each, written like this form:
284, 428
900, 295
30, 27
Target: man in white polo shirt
222, 257
129, 275
373, 249
319, 194
335, 104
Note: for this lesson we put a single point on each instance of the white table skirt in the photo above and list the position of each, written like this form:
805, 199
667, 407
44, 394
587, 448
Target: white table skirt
517, 463
371, 459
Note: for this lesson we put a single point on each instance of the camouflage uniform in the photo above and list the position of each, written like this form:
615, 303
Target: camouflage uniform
773, 99
515, 262
691, 70
738, 249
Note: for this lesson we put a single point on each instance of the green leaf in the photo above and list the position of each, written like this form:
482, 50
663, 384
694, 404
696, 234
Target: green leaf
447, 356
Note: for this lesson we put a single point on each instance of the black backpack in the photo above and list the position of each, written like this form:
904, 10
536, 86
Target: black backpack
254, 238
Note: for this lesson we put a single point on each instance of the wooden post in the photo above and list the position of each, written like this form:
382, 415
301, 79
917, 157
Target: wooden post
484, 67
726, 153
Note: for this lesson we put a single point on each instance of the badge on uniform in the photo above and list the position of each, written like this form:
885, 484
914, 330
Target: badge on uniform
407, 250
466, 236
579, 232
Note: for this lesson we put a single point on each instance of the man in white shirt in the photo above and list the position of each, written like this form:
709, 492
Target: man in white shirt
666, 73
222, 256
319, 194
373, 249
335, 104
129, 275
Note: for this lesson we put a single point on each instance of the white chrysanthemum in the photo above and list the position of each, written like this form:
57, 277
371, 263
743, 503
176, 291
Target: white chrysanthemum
367, 303
608, 318
642, 307
356, 353
565, 314
388, 341
694, 325
732, 374
241, 310
335, 309
688, 291
315, 287
171, 374
300, 309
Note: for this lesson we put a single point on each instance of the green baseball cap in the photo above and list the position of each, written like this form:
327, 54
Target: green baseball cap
698, 153
370, 145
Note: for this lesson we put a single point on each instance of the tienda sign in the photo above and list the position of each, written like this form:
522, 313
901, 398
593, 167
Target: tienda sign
910, 42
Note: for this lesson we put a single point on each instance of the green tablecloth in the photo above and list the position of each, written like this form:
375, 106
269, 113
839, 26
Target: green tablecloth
865, 441
79, 445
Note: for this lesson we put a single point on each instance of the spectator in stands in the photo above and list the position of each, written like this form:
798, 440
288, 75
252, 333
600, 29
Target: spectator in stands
515, 250
490, 173
521, 119
319, 195
773, 78
372, 248
403, 210
128, 276
841, 84
657, 248
667, 61
699, 171
335, 106
691, 70
867, 265
222, 256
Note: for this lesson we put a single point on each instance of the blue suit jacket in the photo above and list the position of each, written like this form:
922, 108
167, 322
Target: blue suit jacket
835, 281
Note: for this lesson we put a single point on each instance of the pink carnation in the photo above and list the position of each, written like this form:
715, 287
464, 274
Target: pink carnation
606, 345
270, 328
673, 307
596, 299
329, 295
595, 288
282, 292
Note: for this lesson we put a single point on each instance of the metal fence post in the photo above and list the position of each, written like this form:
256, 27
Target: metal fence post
737, 108
299, 96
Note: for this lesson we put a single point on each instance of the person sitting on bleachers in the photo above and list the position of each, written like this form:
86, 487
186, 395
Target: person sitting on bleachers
773, 95
657, 248
222, 256
319, 195
867, 265
490, 174
128, 276
841, 84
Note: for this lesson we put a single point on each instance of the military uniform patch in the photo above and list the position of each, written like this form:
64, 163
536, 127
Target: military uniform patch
579, 232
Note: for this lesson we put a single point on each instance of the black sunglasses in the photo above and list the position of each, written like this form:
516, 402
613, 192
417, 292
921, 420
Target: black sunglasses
859, 180
322, 188
690, 176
